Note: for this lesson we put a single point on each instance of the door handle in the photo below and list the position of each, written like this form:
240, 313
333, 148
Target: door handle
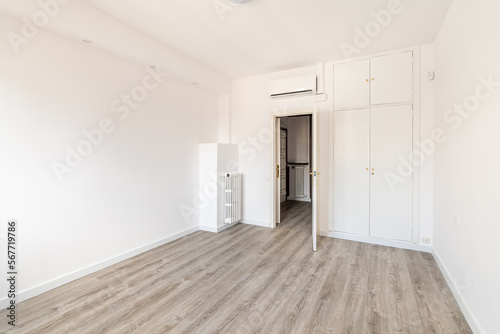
277, 171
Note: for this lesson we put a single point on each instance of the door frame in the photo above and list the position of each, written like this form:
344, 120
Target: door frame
275, 194
286, 161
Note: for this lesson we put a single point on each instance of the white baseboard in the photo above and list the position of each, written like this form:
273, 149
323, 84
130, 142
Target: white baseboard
471, 319
221, 228
208, 228
255, 222
44, 287
217, 229
377, 241
300, 199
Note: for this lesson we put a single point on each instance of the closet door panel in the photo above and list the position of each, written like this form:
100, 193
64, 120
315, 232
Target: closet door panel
351, 87
392, 78
391, 138
351, 150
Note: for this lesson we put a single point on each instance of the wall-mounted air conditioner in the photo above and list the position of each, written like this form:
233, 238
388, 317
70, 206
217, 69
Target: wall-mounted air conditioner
293, 86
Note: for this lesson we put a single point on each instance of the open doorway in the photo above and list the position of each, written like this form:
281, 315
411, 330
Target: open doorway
295, 161
294, 157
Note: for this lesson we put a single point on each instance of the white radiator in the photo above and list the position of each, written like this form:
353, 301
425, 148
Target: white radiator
232, 197
299, 182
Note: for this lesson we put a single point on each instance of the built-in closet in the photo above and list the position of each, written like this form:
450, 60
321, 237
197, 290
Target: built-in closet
372, 128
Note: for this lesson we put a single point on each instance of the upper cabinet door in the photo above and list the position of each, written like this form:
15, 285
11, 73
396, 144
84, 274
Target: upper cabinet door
391, 78
351, 84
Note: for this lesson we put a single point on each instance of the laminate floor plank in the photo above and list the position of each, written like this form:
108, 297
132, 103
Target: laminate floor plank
169, 281
250, 279
271, 290
254, 283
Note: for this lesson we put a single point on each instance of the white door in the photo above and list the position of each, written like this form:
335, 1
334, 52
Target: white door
391, 138
315, 176
392, 78
277, 159
283, 169
351, 175
351, 86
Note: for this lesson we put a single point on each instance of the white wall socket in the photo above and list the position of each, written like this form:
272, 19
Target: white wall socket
426, 240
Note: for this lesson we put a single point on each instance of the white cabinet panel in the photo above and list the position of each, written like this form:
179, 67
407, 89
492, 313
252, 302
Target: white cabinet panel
351, 84
391, 78
391, 137
351, 152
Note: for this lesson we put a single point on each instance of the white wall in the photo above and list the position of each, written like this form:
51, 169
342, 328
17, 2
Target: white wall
127, 193
467, 180
426, 128
298, 140
224, 122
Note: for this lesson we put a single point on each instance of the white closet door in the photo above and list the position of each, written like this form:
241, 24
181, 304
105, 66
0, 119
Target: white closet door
351, 87
391, 137
392, 78
351, 151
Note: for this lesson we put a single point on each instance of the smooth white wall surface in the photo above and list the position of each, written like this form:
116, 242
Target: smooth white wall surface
298, 140
224, 119
128, 191
467, 180
426, 128
207, 178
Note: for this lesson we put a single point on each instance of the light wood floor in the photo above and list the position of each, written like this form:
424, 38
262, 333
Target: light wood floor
250, 279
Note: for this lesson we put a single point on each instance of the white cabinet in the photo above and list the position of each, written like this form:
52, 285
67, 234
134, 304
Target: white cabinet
378, 80
367, 145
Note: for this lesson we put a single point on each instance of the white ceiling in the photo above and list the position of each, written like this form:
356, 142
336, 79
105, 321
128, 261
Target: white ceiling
254, 38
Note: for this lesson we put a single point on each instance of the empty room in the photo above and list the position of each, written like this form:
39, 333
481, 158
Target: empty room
249, 166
